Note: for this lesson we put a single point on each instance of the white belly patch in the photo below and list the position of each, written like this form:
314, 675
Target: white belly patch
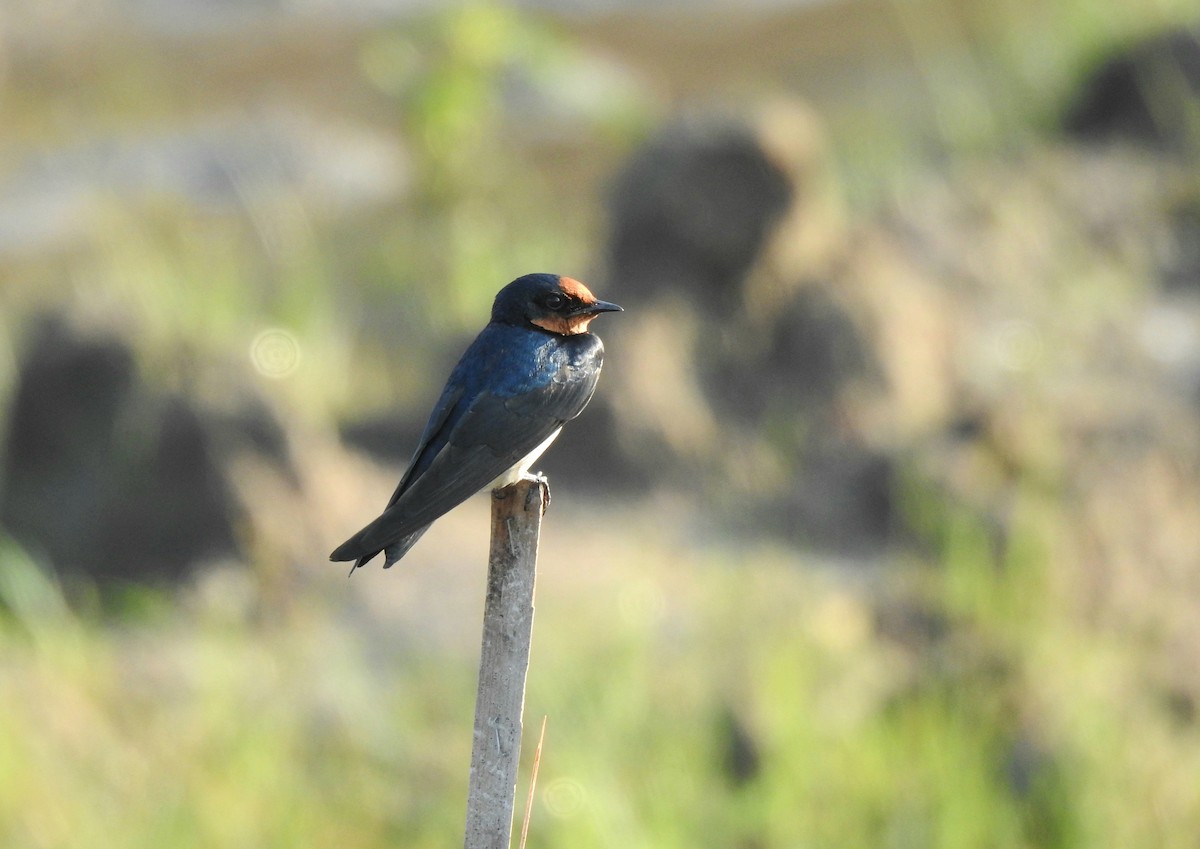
521, 467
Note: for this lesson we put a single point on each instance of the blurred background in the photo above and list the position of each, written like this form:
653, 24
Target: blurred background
882, 530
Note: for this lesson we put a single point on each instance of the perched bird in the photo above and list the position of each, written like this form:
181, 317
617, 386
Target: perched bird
533, 367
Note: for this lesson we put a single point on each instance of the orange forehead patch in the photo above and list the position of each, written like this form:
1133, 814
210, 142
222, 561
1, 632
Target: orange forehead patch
573, 288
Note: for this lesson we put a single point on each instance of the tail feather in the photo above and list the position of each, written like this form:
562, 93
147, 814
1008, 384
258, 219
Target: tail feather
400, 547
352, 549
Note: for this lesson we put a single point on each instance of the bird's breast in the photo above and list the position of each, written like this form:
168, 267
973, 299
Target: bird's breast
536, 360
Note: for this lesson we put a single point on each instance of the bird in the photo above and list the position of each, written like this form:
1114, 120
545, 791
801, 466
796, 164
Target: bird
533, 368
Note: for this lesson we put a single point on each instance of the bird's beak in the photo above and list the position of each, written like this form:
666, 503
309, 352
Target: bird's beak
599, 307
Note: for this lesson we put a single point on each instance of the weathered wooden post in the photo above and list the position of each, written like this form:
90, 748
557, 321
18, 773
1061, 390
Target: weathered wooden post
503, 662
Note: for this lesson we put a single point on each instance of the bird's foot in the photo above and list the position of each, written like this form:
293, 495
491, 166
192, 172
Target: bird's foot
542, 489
543, 483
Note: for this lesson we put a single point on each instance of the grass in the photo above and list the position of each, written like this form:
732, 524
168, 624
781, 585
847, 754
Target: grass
984, 715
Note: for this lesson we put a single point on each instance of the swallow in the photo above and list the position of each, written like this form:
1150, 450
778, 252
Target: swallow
533, 368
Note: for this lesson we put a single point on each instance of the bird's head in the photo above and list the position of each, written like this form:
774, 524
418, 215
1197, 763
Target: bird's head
557, 304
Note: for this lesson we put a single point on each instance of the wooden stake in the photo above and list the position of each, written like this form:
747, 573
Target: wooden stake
503, 662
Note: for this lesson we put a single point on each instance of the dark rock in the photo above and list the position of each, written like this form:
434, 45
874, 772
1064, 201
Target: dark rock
1147, 93
62, 441
734, 369
741, 754
691, 212
843, 499
107, 477
1181, 270
804, 356
1179, 705
174, 507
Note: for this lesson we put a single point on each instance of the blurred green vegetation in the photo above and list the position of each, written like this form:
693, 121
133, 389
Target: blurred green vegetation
956, 703
959, 700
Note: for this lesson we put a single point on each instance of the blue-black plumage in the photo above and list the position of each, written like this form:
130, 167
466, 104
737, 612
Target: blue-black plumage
532, 369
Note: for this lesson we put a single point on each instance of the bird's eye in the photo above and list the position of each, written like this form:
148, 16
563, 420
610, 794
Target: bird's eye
554, 301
